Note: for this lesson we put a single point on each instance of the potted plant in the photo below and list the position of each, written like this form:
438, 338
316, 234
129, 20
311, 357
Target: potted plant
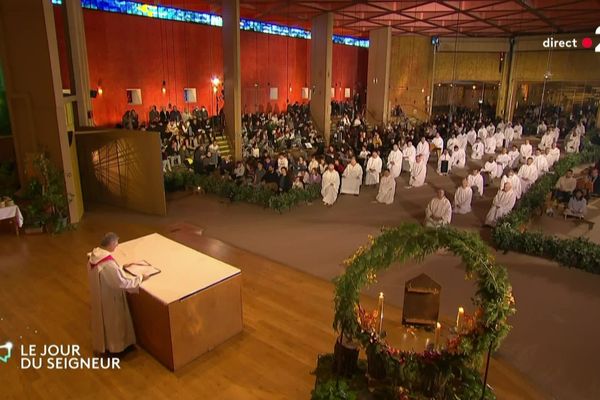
48, 200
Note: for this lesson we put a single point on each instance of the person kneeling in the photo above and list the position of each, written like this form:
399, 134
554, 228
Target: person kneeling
330, 185
439, 211
387, 188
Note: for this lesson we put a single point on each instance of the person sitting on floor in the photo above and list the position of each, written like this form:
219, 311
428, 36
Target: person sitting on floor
439, 211
577, 206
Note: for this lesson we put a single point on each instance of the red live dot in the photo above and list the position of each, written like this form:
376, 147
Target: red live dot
586, 42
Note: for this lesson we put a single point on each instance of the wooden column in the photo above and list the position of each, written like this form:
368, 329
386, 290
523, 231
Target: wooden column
232, 76
378, 75
79, 70
320, 73
34, 89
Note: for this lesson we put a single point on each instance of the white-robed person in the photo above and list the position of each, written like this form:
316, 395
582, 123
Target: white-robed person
352, 178
547, 140
514, 180
444, 164
509, 134
439, 211
438, 143
518, 128
418, 173
542, 128
394, 162
374, 165
577, 206
528, 174
475, 180
552, 154
503, 158
112, 327
502, 204
482, 133
514, 156
409, 154
463, 197
572, 142
541, 162
471, 136
330, 183
477, 150
459, 157
423, 149
490, 169
526, 151
490, 145
499, 137
387, 188
453, 141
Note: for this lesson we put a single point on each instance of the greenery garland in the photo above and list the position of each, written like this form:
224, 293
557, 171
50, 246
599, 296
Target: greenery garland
181, 178
510, 232
442, 374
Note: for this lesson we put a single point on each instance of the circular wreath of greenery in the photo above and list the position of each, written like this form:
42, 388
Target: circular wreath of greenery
453, 370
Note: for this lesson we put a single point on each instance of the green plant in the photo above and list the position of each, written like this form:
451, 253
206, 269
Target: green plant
509, 233
335, 389
46, 192
439, 374
181, 178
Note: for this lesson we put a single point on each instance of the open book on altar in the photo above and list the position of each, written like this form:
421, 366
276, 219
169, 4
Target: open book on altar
140, 268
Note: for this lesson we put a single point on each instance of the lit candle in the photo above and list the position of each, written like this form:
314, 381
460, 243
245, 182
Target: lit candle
459, 316
380, 311
438, 329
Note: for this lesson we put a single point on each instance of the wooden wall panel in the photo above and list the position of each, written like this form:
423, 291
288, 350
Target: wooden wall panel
122, 168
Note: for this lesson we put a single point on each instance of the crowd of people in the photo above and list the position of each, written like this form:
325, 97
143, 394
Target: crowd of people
284, 151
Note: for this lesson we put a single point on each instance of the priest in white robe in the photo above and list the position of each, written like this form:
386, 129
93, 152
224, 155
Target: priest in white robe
528, 174
374, 166
475, 180
490, 169
459, 157
490, 145
552, 155
572, 142
499, 137
482, 133
463, 197
387, 188
462, 141
540, 162
502, 204
352, 178
418, 173
395, 161
471, 136
546, 141
112, 327
526, 151
330, 183
410, 154
453, 141
438, 144
444, 160
514, 180
503, 159
439, 211
509, 134
514, 157
518, 128
477, 150
423, 150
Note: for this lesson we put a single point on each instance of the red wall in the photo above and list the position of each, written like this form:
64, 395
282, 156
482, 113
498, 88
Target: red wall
135, 52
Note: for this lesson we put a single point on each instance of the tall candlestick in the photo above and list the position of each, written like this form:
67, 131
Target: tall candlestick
380, 311
459, 316
438, 329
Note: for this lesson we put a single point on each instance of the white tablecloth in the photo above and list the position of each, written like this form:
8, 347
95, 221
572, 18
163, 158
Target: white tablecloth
11, 212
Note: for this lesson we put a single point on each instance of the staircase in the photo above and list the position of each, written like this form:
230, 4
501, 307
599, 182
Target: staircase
223, 145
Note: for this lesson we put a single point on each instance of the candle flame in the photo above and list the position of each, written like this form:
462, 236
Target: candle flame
381, 295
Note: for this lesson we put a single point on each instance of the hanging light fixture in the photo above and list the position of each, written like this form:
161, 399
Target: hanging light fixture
164, 87
99, 90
